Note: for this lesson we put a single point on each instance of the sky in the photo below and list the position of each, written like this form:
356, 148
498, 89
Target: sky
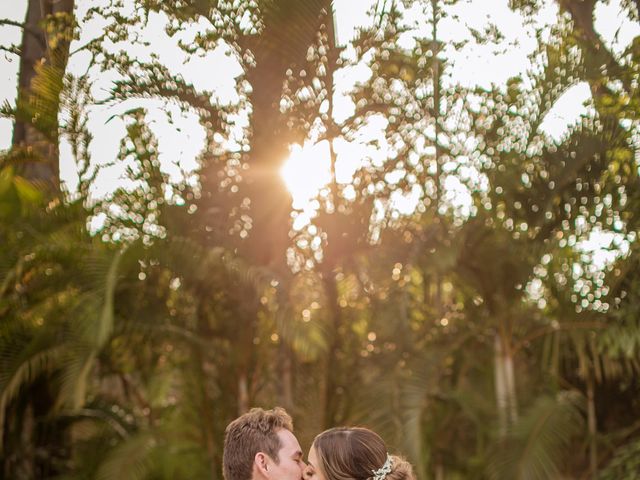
181, 141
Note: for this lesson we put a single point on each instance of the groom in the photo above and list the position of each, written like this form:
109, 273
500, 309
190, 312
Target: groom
260, 445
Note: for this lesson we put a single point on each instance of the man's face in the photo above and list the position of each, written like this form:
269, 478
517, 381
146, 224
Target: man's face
291, 465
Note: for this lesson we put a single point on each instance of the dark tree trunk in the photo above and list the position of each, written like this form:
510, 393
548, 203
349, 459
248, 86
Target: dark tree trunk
43, 61
333, 368
279, 47
33, 446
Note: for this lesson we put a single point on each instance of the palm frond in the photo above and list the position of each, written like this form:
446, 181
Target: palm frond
130, 460
105, 322
172, 449
395, 405
25, 372
39, 105
75, 375
96, 323
625, 464
537, 443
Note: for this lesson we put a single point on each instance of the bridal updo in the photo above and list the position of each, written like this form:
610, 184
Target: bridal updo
358, 454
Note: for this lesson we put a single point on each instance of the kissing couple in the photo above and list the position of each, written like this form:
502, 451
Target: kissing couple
260, 445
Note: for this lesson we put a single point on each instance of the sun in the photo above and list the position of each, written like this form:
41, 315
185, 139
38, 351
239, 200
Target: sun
306, 171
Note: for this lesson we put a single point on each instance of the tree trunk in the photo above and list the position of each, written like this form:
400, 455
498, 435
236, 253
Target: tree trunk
274, 53
511, 386
204, 367
506, 399
593, 429
286, 376
33, 445
43, 61
332, 381
439, 471
502, 401
270, 201
338, 245
243, 393
26, 465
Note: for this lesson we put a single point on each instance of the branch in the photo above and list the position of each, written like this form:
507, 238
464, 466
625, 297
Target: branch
131, 388
36, 34
98, 414
88, 44
13, 23
11, 49
349, 123
582, 14
541, 332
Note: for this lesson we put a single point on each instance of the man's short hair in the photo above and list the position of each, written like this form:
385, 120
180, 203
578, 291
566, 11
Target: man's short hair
255, 431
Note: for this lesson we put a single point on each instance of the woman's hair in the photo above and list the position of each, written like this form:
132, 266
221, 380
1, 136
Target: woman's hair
354, 454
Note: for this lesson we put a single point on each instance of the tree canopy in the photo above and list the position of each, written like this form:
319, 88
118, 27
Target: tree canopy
464, 281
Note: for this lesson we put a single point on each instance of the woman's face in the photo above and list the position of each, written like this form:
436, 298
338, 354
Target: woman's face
313, 466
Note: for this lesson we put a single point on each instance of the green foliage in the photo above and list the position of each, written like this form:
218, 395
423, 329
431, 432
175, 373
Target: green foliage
539, 442
480, 340
624, 465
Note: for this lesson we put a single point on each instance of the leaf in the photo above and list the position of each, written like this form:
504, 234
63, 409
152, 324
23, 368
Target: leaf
131, 460
28, 193
625, 464
537, 443
105, 324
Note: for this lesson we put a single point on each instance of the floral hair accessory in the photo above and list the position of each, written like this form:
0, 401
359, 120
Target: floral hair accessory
383, 471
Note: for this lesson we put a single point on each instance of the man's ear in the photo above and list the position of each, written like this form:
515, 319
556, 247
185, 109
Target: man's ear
261, 462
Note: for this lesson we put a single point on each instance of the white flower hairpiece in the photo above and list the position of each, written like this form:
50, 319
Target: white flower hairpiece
383, 471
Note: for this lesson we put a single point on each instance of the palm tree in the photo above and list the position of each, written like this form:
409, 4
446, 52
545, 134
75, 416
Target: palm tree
53, 322
44, 51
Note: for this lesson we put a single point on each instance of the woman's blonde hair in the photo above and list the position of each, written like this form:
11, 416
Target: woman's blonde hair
354, 453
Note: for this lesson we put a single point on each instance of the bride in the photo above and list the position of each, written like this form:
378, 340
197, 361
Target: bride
354, 453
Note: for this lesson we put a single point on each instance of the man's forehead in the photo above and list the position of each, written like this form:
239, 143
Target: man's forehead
288, 441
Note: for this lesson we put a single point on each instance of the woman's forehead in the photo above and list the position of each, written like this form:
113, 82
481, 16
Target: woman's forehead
312, 455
